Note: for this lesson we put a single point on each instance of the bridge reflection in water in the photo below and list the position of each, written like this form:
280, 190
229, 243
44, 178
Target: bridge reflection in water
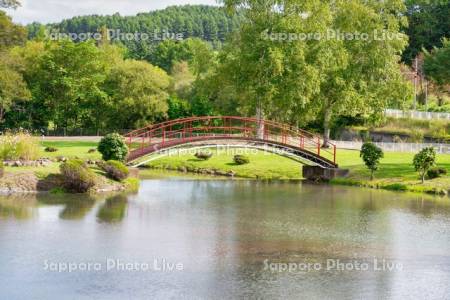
230, 129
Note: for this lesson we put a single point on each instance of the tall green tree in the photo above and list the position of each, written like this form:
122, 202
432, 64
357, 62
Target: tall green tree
324, 77
428, 24
69, 81
138, 92
12, 85
10, 34
437, 64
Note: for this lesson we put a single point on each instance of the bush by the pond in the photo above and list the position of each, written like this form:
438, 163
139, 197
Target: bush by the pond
116, 170
113, 147
77, 176
18, 146
50, 149
203, 155
241, 159
436, 172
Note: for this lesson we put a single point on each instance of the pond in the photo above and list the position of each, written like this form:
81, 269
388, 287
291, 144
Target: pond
208, 239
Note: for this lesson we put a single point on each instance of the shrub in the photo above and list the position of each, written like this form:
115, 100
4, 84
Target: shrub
371, 155
416, 136
436, 172
77, 176
424, 160
113, 147
18, 146
50, 149
116, 170
241, 160
203, 155
93, 150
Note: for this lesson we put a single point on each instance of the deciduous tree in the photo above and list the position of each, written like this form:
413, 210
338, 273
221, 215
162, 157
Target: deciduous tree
138, 92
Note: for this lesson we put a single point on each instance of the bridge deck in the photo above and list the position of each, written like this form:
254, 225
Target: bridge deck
174, 133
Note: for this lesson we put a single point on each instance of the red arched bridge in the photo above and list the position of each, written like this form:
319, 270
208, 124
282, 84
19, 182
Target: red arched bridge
214, 130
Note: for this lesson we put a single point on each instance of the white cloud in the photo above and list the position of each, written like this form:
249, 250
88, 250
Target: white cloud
46, 11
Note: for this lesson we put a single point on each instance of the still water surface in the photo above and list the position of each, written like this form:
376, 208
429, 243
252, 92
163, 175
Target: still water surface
230, 238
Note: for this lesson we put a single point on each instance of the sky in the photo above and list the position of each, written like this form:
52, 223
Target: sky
48, 11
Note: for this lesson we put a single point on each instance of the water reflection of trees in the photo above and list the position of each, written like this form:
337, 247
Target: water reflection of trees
19, 207
114, 209
75, 206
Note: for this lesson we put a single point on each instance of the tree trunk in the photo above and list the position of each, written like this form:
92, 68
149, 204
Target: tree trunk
260, 119
371, 175
326, 128
423, 177
2, 112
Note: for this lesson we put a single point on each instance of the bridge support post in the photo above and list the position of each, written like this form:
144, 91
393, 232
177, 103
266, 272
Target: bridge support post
316, 173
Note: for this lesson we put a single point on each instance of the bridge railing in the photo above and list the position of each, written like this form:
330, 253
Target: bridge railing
175, 132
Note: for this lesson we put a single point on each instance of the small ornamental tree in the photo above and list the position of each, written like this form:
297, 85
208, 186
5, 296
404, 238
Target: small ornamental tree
424, 160
113, 147
371, 155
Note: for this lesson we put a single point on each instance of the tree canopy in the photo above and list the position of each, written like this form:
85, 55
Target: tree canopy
311, 78
428, 23
437, 64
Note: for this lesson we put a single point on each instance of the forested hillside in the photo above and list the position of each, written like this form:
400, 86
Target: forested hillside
206, 22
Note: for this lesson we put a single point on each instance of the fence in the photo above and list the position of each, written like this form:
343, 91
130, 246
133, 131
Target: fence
77, 132
414, 114
396, 147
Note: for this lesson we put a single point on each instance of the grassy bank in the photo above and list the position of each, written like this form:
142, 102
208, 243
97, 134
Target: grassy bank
263, 165
395, 172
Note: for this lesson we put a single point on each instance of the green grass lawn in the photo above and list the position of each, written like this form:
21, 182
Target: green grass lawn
395, 172
70, 149
262, 164
67, 149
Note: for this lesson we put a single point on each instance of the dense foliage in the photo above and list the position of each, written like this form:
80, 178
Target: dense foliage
77, 176
428, 23
108, 85
301, 80
371, 155
206, 22
424, 160
437, 64
113, 147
